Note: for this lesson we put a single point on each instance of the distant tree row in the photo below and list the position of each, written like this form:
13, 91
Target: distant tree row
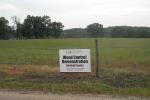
33, 27
92, 30
97, 30
128, 32
36, 27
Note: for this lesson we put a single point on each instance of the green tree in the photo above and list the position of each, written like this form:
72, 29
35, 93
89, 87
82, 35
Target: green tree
28, 27
46, 26
95, 29
41, 27
17, 27
3, 28
57, 29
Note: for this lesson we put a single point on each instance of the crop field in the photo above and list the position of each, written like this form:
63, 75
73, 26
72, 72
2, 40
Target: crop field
128, 57
119, 55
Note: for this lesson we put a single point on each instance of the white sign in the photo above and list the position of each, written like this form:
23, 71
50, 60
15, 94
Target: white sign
75, 60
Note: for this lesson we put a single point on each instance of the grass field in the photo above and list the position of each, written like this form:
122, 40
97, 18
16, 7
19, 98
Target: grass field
130, 55
125, 63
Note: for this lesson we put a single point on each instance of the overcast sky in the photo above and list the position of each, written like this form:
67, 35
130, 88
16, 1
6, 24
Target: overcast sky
80, 13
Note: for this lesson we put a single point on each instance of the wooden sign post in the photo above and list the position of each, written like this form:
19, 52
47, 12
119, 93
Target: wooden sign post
97, 57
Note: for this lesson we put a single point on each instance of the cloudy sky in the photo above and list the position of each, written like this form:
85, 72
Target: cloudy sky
80, 13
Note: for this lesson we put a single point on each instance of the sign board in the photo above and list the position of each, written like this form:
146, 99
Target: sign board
75, 60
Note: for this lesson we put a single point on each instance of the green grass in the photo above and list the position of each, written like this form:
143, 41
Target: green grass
82, 85
125, 66
116, 54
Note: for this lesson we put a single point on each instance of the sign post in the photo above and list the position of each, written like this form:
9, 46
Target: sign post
97, 58
75, 60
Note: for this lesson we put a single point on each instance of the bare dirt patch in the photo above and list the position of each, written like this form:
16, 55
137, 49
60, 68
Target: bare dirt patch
6, 95
26, 69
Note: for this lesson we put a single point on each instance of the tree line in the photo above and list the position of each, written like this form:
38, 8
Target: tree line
37, 27
114, 31
92, 30
127, 32
33, 27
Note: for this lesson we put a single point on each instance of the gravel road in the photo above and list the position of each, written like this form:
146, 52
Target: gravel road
18, 95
